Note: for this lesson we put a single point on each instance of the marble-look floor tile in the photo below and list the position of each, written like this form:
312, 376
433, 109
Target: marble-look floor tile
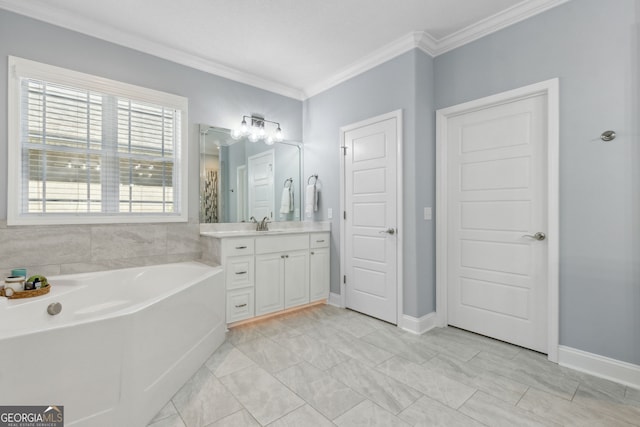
444, 345
167, 411
429, 412
616, 407
354, 324
496, 385
526, 373
269, 355
387, 392
496, 413
368, 414
226, 360
261, 394
303, 416
238, 419
433, 384
478, 342
203, 400
243, 333
394, 342
320, 355
274, 327
171, 421
326, 394
564, 412
357, 349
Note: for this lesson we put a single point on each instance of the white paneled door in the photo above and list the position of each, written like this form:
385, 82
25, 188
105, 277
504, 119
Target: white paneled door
370, 227
497, 221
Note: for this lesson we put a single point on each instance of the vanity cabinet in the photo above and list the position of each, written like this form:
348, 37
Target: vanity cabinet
282, 272
270, 273
319, 267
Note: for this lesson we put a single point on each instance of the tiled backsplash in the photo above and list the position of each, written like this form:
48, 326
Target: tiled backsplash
63, 249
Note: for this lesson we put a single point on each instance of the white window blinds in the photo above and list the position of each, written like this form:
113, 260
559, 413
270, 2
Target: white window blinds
96, 154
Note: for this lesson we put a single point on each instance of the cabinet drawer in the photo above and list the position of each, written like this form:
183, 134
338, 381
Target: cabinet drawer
239, 271
239, 304
240, 246
271, 244
319, 240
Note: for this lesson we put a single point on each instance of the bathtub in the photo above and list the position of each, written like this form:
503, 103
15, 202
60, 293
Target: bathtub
123, 344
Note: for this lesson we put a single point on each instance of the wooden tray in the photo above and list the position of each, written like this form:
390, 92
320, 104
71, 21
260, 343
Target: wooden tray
28, 294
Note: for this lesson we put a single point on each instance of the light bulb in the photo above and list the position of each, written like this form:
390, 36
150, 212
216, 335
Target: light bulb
243, 127
253, 137
261, 132
269, 140
235, 134
278, 135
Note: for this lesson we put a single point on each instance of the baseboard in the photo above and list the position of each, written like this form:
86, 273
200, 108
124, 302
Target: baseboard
418, 325
600, 366
335, 299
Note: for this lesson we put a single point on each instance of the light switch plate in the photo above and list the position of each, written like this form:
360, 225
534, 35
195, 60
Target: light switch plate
427, 214
329, 213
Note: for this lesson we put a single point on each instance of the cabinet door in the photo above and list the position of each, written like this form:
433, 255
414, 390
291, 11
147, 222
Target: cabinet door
269, 281
296, 278
319, 268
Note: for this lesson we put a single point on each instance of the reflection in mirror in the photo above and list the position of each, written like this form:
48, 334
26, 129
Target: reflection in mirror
240, 179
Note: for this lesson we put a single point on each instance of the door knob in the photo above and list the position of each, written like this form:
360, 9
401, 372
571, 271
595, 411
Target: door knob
389, 231
538, 236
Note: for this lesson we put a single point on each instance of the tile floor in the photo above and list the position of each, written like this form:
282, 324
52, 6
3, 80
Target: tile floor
325, 366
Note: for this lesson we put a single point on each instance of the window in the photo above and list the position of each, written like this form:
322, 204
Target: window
83, 149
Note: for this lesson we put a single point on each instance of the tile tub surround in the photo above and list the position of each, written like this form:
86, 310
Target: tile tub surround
304, 368
68, 249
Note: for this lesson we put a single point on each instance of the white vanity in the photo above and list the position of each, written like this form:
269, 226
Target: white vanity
271, 271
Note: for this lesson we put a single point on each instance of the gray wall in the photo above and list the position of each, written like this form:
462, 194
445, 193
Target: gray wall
593, 47
405, 82
212, 100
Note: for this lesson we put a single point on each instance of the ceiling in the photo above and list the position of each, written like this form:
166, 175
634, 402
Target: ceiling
297, 48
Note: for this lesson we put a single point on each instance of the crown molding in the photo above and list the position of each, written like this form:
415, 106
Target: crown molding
419, 39
46, 13
517, 13
372, 60
434, 47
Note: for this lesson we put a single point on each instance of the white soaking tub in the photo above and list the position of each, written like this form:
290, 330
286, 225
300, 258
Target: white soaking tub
123, 344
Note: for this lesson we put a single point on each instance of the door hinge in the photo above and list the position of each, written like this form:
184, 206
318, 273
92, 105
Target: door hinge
344, 279
344, 150
344, 214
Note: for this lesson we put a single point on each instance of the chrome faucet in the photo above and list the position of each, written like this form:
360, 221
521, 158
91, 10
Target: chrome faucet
264, 225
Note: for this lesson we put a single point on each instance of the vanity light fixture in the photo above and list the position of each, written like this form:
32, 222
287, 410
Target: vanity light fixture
256, 131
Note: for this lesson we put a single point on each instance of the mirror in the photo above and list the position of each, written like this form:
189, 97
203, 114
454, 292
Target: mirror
240, 179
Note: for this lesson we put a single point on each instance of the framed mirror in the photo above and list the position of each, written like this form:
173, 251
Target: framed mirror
240, 179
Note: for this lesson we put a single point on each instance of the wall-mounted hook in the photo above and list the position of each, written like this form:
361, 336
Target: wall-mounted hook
608, 135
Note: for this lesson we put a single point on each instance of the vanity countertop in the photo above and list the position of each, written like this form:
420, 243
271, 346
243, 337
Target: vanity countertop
243, 231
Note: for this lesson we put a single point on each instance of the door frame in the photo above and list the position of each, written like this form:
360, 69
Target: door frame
397, 114
550, 88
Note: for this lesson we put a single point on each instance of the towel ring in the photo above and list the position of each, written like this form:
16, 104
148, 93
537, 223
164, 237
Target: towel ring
313, 176
288, 180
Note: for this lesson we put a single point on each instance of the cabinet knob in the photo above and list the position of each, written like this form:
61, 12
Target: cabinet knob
312, 253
